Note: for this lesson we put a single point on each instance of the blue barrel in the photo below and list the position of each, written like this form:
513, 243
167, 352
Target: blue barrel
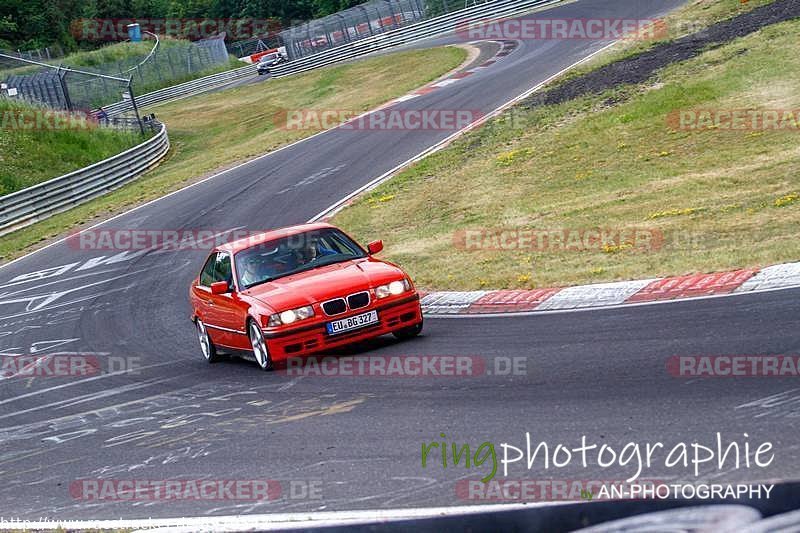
135, 33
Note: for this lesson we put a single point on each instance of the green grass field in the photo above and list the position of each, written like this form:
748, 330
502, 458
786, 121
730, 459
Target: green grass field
719, 199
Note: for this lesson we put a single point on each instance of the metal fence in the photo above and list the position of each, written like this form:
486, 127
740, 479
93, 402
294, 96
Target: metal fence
91, 87
359, 22
253, 46
42, 54
364, 20
443, 24
184, 90
44, 200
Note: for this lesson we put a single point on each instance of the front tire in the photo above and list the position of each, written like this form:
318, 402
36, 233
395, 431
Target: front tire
206, 346
409, 332
259, 345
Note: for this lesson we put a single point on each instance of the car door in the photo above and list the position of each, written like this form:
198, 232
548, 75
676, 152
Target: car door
206, 310
220, 313
229, 310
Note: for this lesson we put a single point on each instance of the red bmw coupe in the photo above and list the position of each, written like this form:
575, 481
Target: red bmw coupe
296, 291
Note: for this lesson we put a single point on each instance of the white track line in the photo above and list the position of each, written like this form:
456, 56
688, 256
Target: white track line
276, 521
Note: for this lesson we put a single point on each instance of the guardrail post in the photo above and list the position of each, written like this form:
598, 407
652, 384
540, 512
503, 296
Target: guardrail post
135, 108
62, 79
366, 18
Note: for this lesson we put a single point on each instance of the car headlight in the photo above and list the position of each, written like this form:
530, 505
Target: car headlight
393, 289
290, 316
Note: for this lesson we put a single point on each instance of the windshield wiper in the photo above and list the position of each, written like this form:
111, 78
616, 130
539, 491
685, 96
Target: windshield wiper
322, 261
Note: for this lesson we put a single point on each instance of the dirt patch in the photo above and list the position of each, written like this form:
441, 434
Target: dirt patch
641, 67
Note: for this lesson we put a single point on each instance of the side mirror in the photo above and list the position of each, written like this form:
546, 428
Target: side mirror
374, 247
220, 287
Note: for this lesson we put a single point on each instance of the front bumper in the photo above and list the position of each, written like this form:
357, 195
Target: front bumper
312, 338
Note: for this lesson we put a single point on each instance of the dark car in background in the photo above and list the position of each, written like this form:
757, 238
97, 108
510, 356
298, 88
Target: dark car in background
270, 60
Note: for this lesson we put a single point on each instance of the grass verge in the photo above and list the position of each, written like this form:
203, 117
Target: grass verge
719, 199
213, 131
31, 154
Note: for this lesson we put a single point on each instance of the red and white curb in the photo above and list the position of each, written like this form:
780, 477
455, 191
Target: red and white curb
612, 294
774, 277
506, 47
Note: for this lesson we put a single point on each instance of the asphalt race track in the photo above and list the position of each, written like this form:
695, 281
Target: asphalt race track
357, 440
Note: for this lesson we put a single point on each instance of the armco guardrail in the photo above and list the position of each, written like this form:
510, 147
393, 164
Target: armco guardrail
36, 203
190, 88
405, 35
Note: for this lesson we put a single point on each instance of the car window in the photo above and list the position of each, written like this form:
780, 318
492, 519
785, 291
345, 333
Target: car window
207, 274
293, 254
222, 268
337, 242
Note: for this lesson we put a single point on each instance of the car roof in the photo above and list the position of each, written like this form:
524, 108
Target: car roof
260, 238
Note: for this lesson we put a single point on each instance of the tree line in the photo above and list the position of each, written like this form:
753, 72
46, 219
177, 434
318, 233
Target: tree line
28, 24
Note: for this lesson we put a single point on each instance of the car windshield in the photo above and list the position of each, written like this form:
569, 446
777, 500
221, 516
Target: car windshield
268, 57
292, 254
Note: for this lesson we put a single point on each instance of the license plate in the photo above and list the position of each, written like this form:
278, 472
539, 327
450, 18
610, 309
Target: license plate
353, 322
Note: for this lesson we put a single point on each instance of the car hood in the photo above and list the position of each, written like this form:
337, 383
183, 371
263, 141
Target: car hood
324, 283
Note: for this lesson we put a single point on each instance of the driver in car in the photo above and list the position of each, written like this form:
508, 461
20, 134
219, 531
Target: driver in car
251, 272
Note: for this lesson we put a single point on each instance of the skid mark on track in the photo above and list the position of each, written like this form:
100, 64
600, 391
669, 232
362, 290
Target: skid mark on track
81, 382
41, 467
784, 404
186, 453
335, 409
180, 419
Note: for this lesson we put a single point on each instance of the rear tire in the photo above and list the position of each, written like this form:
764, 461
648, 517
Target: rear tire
259, 345
206, 346
409, 332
